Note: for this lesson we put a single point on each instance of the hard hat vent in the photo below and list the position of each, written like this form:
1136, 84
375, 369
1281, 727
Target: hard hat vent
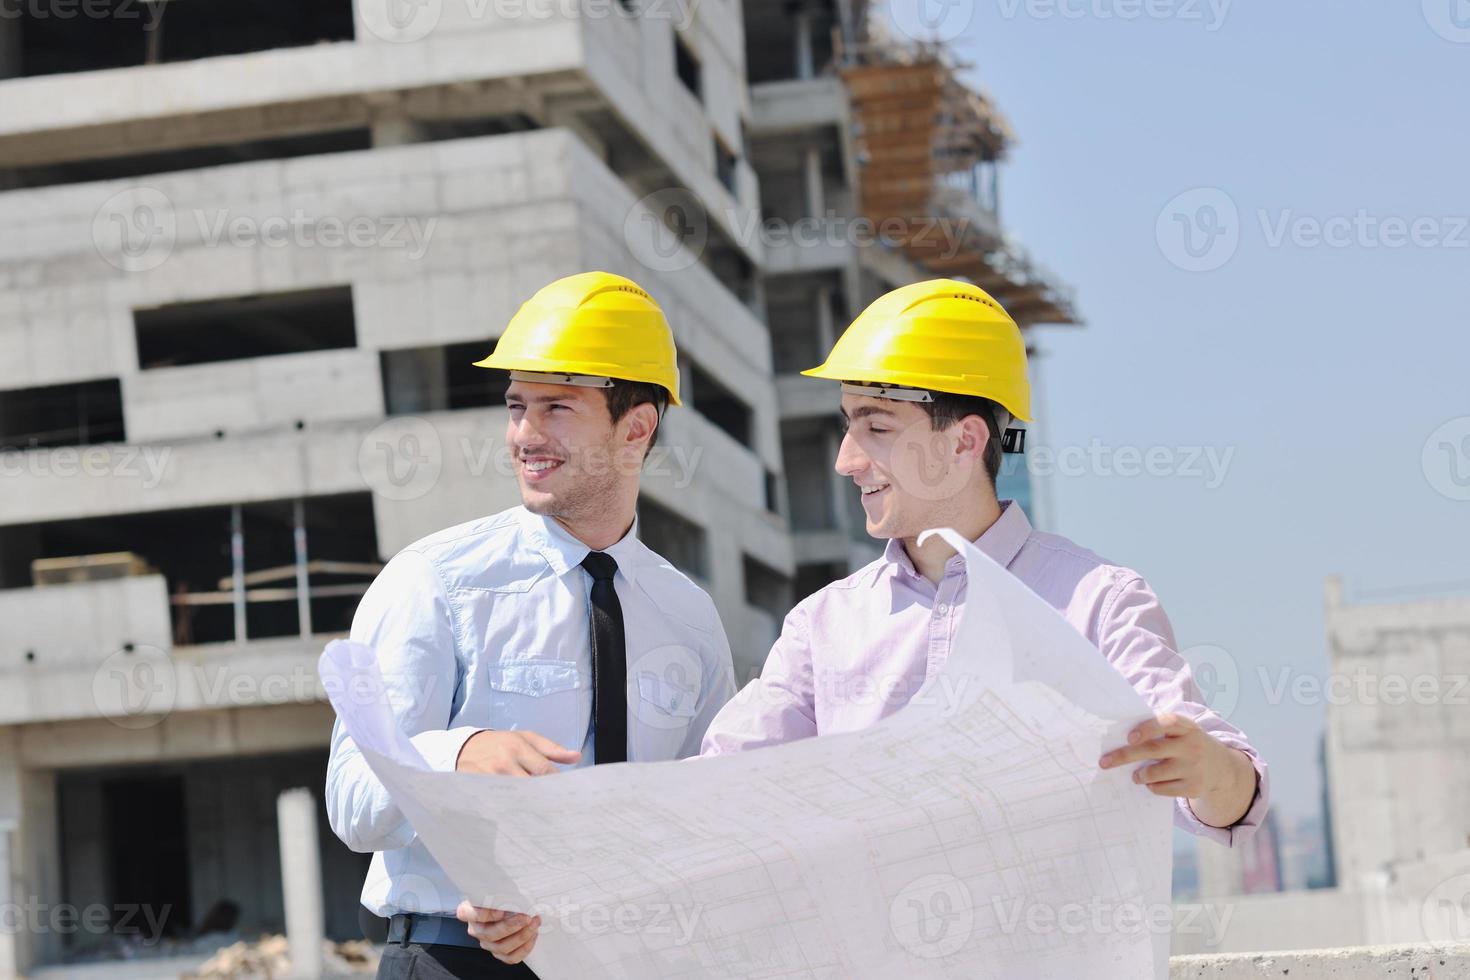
982, 300
620, 288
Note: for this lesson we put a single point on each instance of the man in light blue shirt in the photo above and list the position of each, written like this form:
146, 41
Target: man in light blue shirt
544, 636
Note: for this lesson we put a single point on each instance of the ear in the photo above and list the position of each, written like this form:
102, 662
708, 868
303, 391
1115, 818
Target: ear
973, 436
642, 421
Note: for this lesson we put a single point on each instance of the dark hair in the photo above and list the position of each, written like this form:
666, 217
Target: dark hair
623, 396
946, 409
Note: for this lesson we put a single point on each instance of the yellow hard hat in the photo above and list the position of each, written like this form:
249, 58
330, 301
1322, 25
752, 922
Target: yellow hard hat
938, 335
589, 329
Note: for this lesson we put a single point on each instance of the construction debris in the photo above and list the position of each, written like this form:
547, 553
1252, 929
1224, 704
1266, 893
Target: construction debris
269, 958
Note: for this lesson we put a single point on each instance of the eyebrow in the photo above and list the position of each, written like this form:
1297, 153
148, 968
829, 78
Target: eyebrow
539, 399
863, 411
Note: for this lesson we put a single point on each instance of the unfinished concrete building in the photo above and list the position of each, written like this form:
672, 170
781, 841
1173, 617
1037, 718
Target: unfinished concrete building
250, 251
1395, 698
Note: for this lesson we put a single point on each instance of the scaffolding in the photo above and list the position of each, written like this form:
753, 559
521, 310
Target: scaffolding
927, 150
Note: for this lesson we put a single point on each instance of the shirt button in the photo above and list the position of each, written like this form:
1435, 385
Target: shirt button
942, 609
536, 684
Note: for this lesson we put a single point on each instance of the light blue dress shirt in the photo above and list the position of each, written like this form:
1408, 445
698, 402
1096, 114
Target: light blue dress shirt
486, 626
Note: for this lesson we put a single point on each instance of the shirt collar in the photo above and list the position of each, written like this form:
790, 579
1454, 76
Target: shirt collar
1002, 541
565, 553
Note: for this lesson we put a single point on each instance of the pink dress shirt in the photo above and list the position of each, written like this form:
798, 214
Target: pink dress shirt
860, 648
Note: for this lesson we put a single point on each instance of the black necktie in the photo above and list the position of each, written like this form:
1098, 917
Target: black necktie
609, 663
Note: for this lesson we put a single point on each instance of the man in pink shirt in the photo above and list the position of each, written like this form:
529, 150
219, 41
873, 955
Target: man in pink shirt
932, 375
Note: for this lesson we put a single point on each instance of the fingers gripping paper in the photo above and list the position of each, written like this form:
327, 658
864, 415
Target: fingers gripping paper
969, 835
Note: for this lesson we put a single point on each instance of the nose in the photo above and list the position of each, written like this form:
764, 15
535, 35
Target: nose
850, 458
524, 434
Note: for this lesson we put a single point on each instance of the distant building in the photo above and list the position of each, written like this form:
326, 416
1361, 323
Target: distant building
1397, 815
1252, 867
1398, 732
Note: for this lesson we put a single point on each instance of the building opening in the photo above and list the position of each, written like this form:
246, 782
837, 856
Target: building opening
441, 378
82, 413
186, 855
194, 550
124, 33
245, 327
146, 837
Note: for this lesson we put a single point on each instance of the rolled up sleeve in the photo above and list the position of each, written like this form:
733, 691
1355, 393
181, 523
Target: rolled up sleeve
406, 619
1135, 635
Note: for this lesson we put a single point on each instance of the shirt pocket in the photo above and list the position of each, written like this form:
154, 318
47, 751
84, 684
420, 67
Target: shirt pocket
668, 698
543, 696
663, 703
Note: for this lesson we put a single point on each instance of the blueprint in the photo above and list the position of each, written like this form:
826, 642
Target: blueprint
968, 835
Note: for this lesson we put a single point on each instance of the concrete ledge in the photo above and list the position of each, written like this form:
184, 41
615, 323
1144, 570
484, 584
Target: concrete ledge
1349, 963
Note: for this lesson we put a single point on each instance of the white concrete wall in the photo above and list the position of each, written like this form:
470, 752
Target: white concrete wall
70, 625
498, 218
1398, 732
1425, 901
1286, 920
251, 395
797, 103
1365, 963
178, 735
138, 689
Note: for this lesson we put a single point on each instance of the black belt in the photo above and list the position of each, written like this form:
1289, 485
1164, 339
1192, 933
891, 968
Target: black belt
429, 930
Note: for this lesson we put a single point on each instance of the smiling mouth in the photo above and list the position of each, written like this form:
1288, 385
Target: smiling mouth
869, 491
539, 467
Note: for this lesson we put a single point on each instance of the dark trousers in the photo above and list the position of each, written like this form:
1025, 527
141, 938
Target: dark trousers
414, 962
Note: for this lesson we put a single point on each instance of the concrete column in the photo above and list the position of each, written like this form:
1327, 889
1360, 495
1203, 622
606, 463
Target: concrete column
803, 42
237, 578
10, 926
30, 863
686, 380
39, 857
303, 580
826, 330
9, 47
816, 201
301, 881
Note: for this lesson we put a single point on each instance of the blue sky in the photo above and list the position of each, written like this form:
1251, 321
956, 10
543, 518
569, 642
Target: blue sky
1322, 369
